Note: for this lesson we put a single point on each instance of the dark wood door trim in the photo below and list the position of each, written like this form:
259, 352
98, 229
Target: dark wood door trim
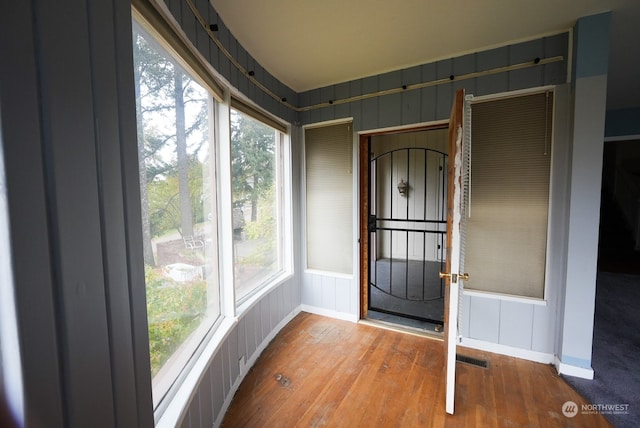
363, 201
363, 153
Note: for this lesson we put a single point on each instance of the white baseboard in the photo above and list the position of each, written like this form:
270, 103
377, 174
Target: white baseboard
252, 360
330, 313
575, 371
496, 348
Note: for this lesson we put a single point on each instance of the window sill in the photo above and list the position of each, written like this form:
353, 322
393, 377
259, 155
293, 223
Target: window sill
250, 302
172, 413
505, 297
348, 276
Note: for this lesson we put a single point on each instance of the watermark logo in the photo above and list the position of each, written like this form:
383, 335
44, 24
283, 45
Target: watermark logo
569, 409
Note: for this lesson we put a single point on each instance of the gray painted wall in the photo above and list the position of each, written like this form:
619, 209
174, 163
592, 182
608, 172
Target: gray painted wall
69, 145
589, 98
69, 142
434, 102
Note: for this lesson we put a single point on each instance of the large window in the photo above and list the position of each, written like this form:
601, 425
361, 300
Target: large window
256, 168
510, 171
329, 197
177, 185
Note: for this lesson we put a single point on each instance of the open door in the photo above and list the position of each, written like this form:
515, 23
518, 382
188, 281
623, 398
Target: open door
458, 183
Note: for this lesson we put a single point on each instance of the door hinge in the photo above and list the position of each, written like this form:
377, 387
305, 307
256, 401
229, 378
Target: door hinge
372, 223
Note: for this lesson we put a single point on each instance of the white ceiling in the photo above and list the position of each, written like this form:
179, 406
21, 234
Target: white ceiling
308, 44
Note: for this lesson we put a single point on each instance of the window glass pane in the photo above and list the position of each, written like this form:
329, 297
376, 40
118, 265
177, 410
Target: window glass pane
255, 169
176, 158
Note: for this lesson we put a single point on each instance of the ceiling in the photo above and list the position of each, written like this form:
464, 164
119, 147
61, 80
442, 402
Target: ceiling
308, 44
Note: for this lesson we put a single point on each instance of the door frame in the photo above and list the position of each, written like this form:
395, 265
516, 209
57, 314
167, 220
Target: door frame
363, 198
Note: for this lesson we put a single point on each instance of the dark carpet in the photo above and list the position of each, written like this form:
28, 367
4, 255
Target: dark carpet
616, 348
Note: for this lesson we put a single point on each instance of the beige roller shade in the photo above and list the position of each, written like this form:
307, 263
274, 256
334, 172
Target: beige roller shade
329, 198
510, 169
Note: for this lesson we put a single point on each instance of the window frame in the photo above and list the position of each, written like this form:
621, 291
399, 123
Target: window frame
193, 345
282, 179
169, 409
548, 263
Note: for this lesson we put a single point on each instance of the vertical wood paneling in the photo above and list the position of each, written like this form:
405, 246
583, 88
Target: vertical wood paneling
343, 295
484, 319
327, 94
234, 73
464, 65
390, 111
217, 388
234, 367
265, 315
189, 24
192, 418
205, 400
444, 96
429, 100
555, 73
70, 141
175, 6
543, 328
34, 291
226, 369
342, 92
110, 185
370, 106
516, 320
328, 292
131, 190
186, 422
411, 112
464, 318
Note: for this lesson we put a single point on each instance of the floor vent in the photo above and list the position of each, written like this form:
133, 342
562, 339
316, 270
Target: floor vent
472, 361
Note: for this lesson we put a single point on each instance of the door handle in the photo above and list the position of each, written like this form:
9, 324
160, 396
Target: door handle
453, 276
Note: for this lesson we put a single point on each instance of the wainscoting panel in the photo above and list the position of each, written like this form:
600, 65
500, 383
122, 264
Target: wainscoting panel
241, 347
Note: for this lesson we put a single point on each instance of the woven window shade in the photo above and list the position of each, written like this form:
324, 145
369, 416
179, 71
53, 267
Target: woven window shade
510, 169
329, 198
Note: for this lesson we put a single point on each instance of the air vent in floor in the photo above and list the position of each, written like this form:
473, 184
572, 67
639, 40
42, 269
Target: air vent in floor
472, 361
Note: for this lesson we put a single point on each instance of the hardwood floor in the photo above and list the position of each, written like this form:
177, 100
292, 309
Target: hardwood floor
325, 372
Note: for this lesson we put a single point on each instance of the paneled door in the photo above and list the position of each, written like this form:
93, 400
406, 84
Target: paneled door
457, 202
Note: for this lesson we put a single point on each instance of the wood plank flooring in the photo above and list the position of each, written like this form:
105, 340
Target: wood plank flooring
322, 372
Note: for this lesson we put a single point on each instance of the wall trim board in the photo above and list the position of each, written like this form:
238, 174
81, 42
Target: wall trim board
414, 127
496, 348
622, 138
571, 370
245, 369
345, 316
506, 297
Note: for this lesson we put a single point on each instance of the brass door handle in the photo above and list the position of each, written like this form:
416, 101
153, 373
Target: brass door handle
454, 277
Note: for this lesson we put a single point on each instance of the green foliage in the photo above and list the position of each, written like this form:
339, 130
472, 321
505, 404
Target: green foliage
252, 158
164, 204
263, 231
174, 310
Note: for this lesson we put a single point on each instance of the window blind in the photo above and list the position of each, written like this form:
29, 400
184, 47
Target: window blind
329, 198
258, 114
510, 171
